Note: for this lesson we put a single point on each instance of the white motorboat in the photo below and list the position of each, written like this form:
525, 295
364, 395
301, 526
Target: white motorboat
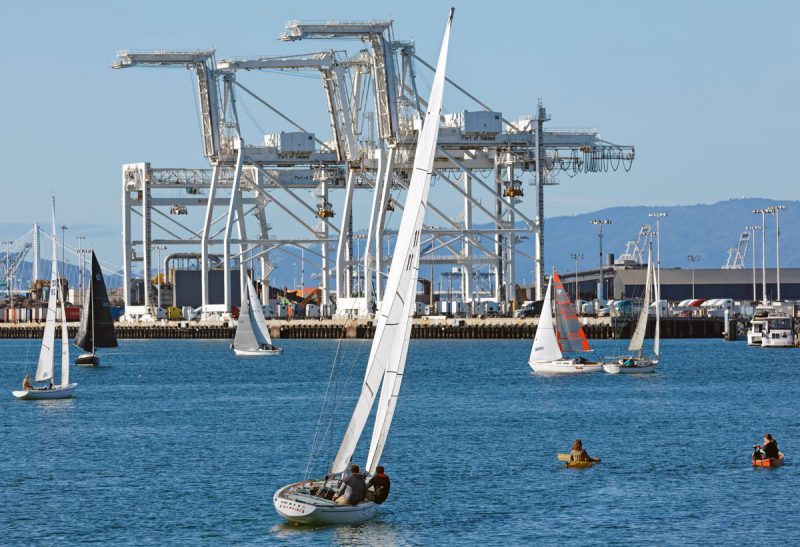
252, 333
310, 502
42, 387
778, 331
636, 362
555, 336
757, 324
97, 326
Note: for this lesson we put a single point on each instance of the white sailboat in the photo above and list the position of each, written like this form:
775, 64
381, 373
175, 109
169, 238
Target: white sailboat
252, 334
309, 502
637, 362
555, 336
43, 387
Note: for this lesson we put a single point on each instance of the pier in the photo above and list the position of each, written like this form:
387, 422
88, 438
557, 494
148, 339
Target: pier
604, 328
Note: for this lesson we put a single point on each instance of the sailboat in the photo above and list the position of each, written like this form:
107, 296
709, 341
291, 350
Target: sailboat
97, 327
310, 501
637, 362
43, 387
252, 334
564, 334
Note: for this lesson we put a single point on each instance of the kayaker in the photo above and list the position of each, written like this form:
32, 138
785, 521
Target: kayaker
767, 450
380, 485
353, 488
578, 454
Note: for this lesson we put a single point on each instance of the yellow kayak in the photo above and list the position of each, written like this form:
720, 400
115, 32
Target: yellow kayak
579, 464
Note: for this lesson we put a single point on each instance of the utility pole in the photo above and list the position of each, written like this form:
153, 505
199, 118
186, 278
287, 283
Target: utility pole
693, 259
577, 257
601, 282
777, 210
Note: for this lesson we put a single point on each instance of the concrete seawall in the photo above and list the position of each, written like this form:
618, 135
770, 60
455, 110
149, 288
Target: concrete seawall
605, 328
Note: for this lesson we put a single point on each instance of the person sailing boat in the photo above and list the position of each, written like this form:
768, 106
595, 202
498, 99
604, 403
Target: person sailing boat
26, 383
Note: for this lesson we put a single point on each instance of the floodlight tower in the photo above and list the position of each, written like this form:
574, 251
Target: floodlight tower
777, 210
601, 282
763, 213
693, 259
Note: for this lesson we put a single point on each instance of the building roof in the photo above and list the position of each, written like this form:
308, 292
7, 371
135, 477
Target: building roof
680, 276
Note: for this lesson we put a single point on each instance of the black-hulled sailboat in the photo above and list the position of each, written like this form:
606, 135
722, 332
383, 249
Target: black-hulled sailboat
97, 326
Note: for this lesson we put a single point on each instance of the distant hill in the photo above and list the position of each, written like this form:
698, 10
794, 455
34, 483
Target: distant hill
707, 230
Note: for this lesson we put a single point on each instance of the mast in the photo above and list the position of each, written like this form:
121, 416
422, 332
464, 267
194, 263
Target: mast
390, 345
44, 369
637, 340
545, 342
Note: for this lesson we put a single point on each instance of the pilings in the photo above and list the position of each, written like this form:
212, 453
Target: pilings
671, 327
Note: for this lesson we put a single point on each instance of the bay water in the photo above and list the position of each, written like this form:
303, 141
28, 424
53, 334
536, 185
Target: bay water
179, 442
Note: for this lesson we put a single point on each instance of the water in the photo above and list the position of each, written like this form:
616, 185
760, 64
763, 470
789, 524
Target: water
178, 442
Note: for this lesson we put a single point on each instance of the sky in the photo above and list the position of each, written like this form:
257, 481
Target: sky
707, 92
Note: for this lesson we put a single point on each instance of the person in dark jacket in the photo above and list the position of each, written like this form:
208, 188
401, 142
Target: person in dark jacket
353, 488
380, 485
767, 450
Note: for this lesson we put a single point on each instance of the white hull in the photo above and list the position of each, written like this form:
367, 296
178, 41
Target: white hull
296, 504
564, 366
56, 392
257, 352
753, 338
639, 367
778, 340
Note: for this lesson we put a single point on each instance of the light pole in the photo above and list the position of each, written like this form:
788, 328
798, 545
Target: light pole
658, 216
8, 277
158, 249
600, 283
763, 213
577, 257
753, 229
63, 258
693, 259
777, 210
80, 266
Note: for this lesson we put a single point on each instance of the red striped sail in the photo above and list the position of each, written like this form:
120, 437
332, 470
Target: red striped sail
570, 333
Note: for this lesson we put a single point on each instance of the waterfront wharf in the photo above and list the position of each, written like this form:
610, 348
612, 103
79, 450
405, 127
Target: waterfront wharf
492, 328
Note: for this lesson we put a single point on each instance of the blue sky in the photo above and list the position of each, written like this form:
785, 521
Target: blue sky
706, 91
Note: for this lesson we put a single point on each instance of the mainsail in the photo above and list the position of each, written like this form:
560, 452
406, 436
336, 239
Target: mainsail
570, 333
258, 312
249, 335
545, 342
97, 326
390, 345
44, 370
637, 339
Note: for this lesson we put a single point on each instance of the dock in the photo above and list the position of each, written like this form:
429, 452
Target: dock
422, 328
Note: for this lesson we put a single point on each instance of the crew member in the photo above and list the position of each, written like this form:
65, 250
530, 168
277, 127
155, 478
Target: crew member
353, 488
380, 485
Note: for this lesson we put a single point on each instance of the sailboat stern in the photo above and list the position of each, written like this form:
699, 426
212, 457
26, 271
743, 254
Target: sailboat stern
296, 504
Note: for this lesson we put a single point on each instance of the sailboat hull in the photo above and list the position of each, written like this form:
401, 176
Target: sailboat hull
257, 352
639, 366
564, 366
55, 392
87, 360
296, 504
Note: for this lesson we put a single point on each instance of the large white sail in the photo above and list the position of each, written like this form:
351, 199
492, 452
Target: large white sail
390, 345
637, 339
258, 312
44, 370
545, 342
64, 343
248, 335
657, 336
